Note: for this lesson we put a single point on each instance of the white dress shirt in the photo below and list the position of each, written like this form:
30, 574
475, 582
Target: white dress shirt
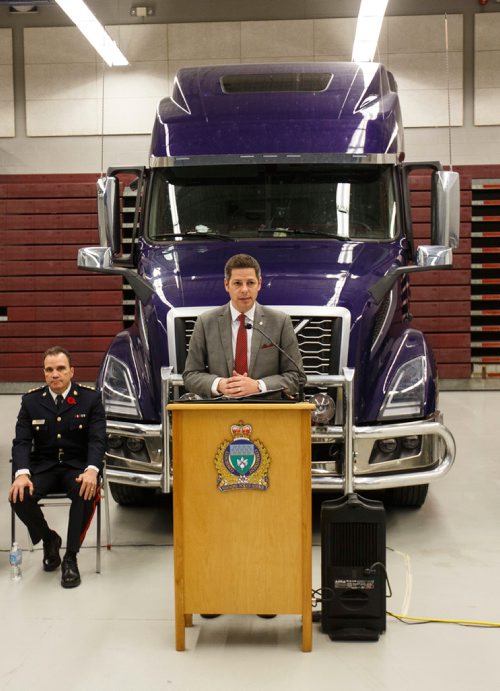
235, 325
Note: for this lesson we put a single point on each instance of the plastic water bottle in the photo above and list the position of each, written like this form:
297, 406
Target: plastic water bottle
16, 559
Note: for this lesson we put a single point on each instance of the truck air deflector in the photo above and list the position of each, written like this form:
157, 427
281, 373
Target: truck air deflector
274, 109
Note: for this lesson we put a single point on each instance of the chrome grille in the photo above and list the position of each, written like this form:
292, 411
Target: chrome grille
318, 337
316, 342
188, 330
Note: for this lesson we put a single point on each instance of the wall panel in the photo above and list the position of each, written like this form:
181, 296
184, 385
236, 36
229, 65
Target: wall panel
7, 124
486, 69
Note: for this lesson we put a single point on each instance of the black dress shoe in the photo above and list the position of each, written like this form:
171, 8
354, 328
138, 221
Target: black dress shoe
70, 575
266, 616
209, 616
51, 557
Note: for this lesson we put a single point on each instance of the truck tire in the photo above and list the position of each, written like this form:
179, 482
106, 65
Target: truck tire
410, 497
127, 495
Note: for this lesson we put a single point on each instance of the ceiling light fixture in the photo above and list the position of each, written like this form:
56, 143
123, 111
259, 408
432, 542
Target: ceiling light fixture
93, 31
370, 18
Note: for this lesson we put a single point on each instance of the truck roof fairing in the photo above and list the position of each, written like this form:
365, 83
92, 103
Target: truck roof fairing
298, 108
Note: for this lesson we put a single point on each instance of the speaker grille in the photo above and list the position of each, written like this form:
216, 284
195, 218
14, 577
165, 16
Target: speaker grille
353, 544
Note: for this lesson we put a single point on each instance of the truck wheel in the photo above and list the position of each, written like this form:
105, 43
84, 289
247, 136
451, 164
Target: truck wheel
127, 495
411, 497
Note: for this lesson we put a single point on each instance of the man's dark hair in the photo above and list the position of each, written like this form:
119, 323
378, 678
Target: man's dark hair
55, 350
241, 261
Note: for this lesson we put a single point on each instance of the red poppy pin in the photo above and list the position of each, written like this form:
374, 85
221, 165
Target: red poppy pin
71, 400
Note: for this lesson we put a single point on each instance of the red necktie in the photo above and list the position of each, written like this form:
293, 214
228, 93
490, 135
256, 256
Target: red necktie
241, 357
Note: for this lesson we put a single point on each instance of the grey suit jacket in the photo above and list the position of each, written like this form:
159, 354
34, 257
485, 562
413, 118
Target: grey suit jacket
211, 353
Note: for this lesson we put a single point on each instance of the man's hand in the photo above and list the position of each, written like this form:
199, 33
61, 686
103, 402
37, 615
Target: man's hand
88, 481
238, 385
19, 486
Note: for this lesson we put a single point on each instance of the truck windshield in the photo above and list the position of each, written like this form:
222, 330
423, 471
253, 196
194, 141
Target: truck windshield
272, 201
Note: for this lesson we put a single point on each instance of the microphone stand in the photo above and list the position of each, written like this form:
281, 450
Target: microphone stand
289, 357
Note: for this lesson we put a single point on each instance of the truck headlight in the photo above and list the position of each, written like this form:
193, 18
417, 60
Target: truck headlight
118, 394
135, 445
325, 408
387, 446
406, 394
113, 441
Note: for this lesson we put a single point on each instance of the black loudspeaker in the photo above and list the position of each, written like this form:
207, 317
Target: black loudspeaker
353, 568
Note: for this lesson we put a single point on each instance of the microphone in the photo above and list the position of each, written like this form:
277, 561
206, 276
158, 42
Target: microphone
289, 357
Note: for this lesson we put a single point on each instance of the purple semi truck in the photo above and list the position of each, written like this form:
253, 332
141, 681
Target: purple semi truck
301, 166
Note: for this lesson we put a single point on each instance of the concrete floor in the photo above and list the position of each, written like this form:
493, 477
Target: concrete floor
116, 631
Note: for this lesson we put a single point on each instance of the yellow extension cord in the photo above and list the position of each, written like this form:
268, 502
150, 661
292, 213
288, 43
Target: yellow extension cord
405, 619
462, 622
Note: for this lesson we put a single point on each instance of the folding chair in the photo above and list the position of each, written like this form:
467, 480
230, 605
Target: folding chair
60, 499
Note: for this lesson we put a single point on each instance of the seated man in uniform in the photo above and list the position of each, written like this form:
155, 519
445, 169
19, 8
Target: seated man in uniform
58, 447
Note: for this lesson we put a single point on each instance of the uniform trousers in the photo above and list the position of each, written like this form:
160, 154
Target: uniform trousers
59, 479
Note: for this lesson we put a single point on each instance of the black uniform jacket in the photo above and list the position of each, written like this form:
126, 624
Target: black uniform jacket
74, 435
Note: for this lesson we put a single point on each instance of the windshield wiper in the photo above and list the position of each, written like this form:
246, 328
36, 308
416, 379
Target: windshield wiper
210, 234
195, 234
285, 232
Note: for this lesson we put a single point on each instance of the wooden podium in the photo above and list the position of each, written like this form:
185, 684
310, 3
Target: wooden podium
242, 550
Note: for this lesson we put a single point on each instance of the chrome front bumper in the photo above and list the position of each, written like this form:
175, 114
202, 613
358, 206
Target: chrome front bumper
349, 434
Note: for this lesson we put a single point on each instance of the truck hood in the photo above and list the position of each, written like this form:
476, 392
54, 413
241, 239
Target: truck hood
312, 273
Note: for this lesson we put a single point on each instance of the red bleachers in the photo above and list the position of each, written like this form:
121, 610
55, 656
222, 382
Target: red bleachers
44, 298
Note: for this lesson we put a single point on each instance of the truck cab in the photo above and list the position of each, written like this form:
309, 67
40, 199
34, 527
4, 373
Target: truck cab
302, 166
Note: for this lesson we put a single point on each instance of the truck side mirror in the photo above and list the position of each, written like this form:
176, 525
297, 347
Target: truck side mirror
445, 208
108, 213
95, 259
434, 256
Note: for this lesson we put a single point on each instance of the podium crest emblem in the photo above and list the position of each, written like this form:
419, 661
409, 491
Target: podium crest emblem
242, 463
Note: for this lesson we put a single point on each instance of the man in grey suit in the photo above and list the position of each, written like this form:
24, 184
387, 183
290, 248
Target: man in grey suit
227, 358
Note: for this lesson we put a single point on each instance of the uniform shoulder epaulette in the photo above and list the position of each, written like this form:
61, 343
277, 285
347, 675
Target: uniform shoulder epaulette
37, 388
87, 386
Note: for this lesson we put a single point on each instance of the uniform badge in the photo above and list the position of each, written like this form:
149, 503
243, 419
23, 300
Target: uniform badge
242, 463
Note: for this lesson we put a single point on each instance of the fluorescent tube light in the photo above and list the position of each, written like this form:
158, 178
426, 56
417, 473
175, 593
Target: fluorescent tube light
370, 18
93, 31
